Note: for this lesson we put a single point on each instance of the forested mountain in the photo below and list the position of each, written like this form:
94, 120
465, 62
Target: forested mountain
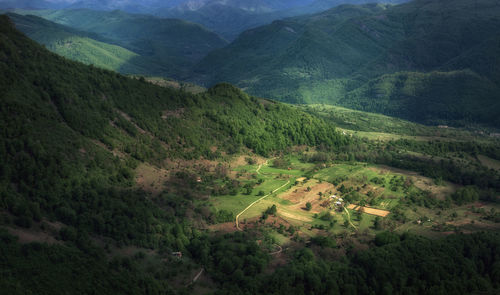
375, 58
227, 18
230, 18
82, 46
60, 117
166, 47
73, 219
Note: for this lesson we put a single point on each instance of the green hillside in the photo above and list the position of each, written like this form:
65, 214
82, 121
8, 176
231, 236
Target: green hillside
360, 56
166, 47
78, 45
61, 118
462, 97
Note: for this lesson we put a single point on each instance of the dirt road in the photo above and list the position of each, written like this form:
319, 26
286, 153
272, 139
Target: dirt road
260, 166
255, 202
349, 218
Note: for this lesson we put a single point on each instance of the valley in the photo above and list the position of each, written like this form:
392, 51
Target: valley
386, 192
357, 151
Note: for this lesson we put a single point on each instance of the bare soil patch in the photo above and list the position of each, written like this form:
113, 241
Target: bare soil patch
294, 216
368, 210
151, 179
30, 236
239, 161
55, 225
226, 227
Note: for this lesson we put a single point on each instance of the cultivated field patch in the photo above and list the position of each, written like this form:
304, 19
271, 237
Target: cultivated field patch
368, 210
309, 192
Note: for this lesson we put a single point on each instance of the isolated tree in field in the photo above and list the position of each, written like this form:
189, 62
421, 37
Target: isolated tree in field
308, 206
271, 210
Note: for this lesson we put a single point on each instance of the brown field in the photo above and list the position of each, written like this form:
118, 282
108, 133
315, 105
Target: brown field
368, 210
299, 195
294, 216
150, 178
239, 161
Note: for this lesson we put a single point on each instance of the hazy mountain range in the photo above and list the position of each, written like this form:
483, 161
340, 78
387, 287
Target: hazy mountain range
226, 17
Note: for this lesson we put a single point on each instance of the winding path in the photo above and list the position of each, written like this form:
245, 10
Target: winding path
349, 218
238, 216
260, 166
280, 249
196, 277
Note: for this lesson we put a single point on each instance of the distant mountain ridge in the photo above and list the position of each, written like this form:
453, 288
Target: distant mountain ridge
231, 17
375, 58
226, 17
166, 47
